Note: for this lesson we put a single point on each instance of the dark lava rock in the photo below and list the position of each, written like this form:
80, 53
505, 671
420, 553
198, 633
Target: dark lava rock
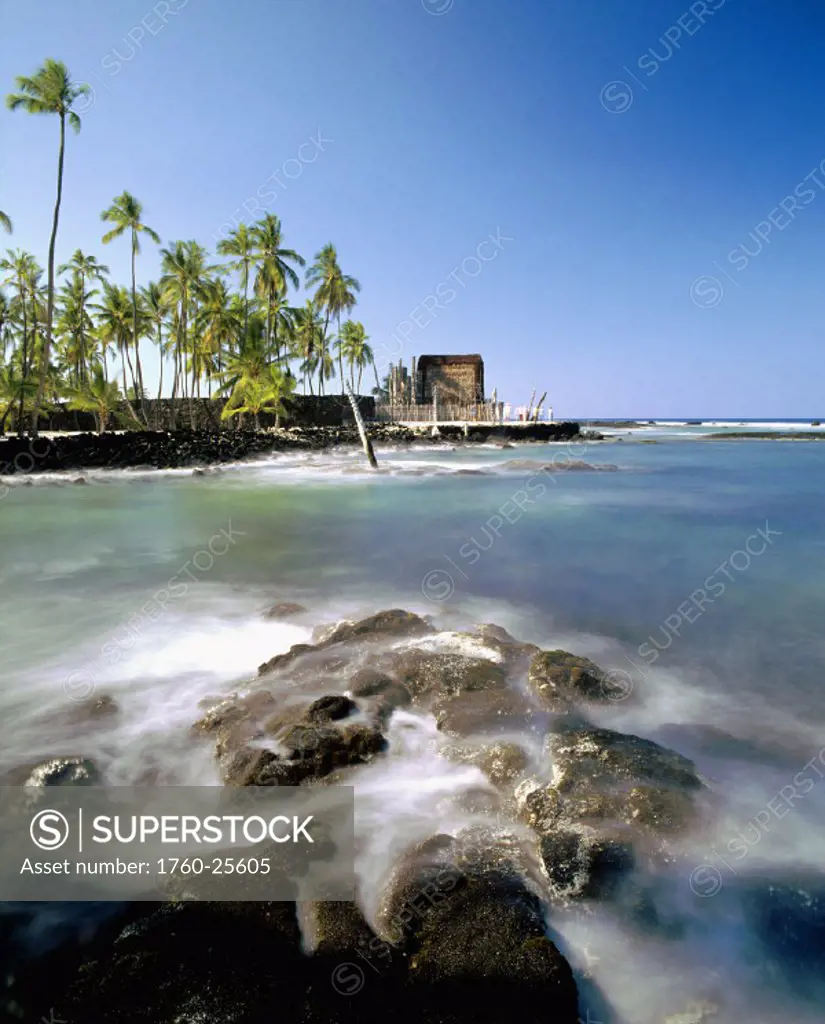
359, 975
586, 757
387, 625
511, 650
284, 610
237, 720
613, 795
585, 865
331, 709
478, 711
368, 683
560, 678
286, 659
310, 745
64, 771
191, 962
427, 674
476, 943
502, 763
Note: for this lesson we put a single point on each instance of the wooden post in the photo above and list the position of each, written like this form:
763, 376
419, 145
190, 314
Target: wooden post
435, 431
538, 407
362, 430
530, 406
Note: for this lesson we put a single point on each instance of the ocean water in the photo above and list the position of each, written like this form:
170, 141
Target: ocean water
693, 569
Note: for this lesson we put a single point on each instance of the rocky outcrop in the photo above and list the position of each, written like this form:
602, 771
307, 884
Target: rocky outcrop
560, 679
480, 711
613, 797
165, 449
432, 674
261, 742
474, 935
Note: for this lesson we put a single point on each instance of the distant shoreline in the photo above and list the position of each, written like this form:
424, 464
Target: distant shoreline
52, 453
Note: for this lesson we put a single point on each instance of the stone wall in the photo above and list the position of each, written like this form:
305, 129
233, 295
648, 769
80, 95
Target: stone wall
164, 414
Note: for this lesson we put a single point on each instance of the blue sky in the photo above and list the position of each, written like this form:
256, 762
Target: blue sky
626, 152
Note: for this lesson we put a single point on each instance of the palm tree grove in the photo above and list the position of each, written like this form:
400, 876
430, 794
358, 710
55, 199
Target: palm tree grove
226, 325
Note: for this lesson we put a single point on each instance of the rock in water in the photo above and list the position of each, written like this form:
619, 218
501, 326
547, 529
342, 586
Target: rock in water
476, 943
387, 625
560, 678
64, 771
284, 610
613, 794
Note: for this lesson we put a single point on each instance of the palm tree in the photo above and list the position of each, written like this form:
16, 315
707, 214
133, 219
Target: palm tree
99, 396
307, 340
156, 307
352, 346
125, 213
115, 325
335, 292
274, 272
23, 274
49, 91
217, 324
84, 268
178, 282
264, 393
241, 245
74, 324
5, 223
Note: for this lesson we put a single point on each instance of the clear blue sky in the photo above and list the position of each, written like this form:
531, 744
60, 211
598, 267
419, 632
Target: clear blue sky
446, 127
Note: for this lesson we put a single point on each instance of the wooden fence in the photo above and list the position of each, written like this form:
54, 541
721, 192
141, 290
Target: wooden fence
478, 412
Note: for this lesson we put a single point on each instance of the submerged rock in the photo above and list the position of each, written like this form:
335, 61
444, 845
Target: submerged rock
502, 763
479, 711
370, 683
284, 610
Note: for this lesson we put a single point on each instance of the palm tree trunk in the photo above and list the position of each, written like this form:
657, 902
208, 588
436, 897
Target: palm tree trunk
125, 348
135, 336
341, 361
245, 302
160, 354
23, 364
47, 347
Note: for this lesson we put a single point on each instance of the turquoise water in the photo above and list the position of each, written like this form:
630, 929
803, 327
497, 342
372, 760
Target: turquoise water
149, 587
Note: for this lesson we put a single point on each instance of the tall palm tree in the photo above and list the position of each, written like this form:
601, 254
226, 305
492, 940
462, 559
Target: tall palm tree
24, 274
240, 244
336, 291
274, 274
184, 273
5, 223
156, 308
74, 324
125, 213
85, 268
115, 324
307, 340
49, 91
218, 326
